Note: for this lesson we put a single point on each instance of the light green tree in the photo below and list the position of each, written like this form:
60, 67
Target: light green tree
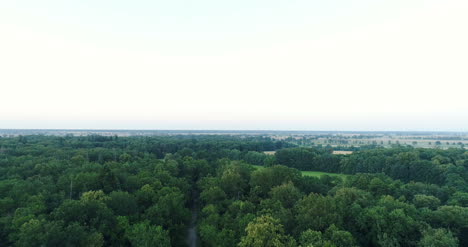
266, 231
438, 238
146, 235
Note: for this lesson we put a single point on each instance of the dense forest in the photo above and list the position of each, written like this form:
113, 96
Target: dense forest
153, 191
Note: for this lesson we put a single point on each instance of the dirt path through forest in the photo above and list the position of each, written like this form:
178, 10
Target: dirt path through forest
192, 235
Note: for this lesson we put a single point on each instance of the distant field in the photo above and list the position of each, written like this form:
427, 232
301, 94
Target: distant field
441, 142
319, 174
313, 173
342, 152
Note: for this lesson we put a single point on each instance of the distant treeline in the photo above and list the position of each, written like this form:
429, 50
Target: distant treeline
435, 166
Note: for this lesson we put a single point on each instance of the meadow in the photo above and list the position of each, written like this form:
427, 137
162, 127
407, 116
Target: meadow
313, 173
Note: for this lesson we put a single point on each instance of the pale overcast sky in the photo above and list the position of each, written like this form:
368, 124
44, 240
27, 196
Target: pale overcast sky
245, 64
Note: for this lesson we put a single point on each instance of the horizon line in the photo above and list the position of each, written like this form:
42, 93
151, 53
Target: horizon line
228, 130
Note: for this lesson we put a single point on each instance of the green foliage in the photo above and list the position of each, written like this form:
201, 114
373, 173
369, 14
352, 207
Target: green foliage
317, 212
339, 238
438, 238
459, 199
265, 231
265, 179
286, 193
122, 203
311, 238
421, 201
145, 235
147, 191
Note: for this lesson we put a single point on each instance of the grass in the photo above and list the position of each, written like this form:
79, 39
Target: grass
313, 173
319, 174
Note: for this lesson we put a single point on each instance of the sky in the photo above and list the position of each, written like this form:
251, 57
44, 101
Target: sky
245, 64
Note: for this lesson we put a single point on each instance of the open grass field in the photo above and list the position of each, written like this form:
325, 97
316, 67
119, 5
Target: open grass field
319, 174
313, 173
342, 152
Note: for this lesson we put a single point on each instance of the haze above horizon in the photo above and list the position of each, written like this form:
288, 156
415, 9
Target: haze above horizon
387, 65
